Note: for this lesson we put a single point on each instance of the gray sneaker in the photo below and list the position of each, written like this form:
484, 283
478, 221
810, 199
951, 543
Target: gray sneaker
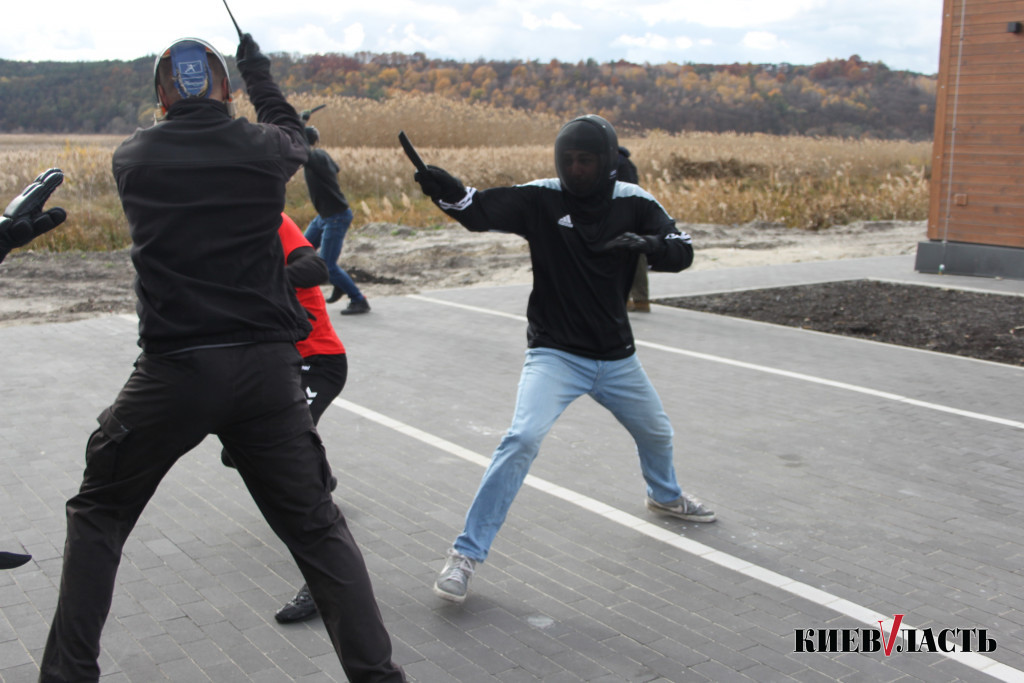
453, 581
684, 507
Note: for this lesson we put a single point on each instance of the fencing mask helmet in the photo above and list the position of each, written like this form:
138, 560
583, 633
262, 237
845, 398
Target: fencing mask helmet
596, 136
191, 69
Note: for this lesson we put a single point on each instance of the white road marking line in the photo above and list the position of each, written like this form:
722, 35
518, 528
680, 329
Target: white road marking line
889, 396
836, 385
864, 615
467, 307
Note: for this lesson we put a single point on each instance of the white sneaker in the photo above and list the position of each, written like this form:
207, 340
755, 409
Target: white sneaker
453, 581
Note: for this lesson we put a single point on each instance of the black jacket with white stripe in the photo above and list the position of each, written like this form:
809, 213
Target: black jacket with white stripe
578, 302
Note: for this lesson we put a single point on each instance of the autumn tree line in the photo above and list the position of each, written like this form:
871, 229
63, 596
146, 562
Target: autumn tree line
847, 98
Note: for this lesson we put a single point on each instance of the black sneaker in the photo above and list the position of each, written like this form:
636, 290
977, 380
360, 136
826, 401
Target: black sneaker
299, 608
357, 306
12, 560
335, 295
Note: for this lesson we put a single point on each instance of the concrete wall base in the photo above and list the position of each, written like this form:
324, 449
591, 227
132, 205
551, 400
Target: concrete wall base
962, 258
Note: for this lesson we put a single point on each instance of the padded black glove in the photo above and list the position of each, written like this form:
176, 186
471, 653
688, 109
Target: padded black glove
630, 241
32, 198
307, 113
24, 218
249, 58
18, 233
440, 185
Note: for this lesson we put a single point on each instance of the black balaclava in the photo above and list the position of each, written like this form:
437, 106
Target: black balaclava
592, 134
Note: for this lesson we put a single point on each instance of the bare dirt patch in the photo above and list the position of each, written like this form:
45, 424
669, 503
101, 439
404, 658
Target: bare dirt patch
984, 326
42, 287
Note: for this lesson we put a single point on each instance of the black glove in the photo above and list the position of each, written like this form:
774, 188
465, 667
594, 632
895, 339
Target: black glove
32, 198
440, 185
249, 58
24, 218
18, 233
307, 113
630, 241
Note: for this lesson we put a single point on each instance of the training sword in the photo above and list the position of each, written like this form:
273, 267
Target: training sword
233, 19
410, 151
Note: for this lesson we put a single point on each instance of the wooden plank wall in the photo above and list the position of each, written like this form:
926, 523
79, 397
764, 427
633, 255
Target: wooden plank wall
977, 187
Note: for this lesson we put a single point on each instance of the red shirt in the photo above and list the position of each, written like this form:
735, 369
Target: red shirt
323, 340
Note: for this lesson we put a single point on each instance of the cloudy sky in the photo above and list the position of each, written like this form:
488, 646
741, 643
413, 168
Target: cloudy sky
904, 34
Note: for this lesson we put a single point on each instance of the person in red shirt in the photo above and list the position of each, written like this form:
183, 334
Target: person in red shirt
325, 366
324, 363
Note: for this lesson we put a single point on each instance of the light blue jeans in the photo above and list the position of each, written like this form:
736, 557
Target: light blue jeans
328, 235
550, 381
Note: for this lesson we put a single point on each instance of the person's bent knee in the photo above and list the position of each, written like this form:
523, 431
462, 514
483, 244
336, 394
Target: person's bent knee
521, 445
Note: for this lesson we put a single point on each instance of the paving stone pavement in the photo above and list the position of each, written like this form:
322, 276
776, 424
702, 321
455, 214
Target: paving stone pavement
850, 478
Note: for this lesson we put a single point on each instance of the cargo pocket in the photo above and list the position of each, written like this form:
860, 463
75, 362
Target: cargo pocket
325, 469
101, 453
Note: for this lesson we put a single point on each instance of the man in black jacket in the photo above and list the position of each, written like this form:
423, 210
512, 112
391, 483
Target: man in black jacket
585, 231
218, 321
326, 232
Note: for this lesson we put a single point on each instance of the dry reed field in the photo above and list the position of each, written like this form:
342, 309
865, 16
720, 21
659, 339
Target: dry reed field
726, 179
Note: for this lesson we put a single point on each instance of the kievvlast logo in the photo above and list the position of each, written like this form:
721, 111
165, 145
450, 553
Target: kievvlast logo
893, 640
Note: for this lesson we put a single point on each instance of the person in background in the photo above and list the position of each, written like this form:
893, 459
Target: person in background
639, 292
324, 362
203, 193
23, 221
327, 230
585, 230
324, 367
